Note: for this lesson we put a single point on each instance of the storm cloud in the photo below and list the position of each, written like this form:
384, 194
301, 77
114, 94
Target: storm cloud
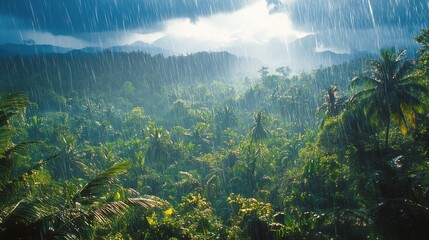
319, 15
69, 17
339, 24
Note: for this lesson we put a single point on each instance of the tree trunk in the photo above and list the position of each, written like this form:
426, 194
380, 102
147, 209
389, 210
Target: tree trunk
387, 132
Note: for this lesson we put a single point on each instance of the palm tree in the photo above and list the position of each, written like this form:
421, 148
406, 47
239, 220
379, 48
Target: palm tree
391, 93
74, 217
258, 131
202, 138
332, 104
226, 118
157, 152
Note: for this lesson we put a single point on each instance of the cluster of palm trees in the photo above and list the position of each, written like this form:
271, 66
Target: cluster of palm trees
31, 208
391, 93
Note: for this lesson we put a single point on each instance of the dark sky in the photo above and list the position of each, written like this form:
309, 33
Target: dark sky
358, 14
77, 19
68, 17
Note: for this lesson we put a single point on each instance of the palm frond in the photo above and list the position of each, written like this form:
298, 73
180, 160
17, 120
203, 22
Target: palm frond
398, 118
147, 202
6, 163
105, 213
5, 133
367, 81
19, 148
24, 212
404, 70
15, 100
363, 94
94, 187
70, 224
401, 55
409, 113
77, 223
8, 187
10, 105
416, 104
413, 87
39, 165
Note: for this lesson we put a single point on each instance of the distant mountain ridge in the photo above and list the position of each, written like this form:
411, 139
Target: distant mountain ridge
299, 55
12, 49
302, 54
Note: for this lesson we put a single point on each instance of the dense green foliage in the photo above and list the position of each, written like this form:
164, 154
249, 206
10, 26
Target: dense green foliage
154, 154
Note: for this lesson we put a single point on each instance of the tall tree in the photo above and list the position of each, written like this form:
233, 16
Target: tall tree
226, 118
258, 131
391, 92
332, 104
157, 152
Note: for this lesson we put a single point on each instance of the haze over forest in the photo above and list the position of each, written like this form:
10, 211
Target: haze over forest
214, 119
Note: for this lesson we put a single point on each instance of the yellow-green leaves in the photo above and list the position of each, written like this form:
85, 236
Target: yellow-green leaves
117, 196
169, 212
